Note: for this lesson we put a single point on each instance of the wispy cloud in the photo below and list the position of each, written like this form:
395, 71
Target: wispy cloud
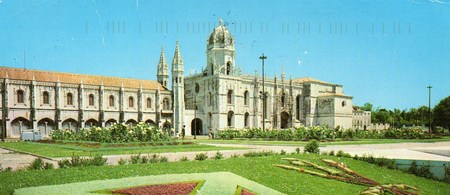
439, 1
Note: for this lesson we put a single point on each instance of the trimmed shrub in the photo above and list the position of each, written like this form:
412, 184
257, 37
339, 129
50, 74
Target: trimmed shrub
77, 161
201, 156
218, 156
258, 154
235, 156
312, 147
184, 159
122, 162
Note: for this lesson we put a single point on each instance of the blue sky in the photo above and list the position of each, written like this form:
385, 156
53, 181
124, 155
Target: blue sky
383, 52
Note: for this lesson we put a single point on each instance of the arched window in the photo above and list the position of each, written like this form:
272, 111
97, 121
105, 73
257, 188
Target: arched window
297, 103
283, 100
91, 99
210, 99
131, 102
228, 68
45, 98
166, 104
111, 100
69, 99
20, 98
246, 98
230, 118
149, 103
230, 97
246, 117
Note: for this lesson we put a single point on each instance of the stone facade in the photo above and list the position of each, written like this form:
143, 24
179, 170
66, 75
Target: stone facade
221, 97
32, 99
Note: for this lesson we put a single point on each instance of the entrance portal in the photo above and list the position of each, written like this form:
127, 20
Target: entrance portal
196, 127
285, 120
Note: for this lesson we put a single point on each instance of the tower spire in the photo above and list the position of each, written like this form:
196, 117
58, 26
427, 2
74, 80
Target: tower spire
177, 59
163, 69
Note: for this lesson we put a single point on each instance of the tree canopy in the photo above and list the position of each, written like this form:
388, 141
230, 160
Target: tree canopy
442, 113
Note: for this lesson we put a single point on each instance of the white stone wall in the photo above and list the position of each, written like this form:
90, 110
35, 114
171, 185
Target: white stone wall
20, 114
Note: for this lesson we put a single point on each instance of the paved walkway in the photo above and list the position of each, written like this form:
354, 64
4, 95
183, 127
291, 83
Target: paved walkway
439, 151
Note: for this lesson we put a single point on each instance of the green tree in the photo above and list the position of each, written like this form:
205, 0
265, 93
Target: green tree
367, 106
442, 113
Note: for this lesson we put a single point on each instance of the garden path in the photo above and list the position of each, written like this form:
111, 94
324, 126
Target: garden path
439, 151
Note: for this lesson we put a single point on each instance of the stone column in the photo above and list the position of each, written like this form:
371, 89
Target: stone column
101, 106
33, 104
5, 108
80, 105
121, 115
157, 108
139, 106
58, 106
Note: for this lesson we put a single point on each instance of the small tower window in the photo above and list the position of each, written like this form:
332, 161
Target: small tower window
69, 99
20, 98
230, 97
197, 88
246, 98
228, 68
166, 104
91, 100
131, 102
45, 98
111, 100
149, 103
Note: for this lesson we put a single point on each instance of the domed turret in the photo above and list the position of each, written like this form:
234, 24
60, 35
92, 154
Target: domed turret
220, 37
220, 52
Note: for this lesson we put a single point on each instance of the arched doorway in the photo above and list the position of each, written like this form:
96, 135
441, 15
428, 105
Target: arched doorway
167, 127
285, 120
196, 127
91, 123
150, 122
131, 122
230, 119
45, 126
70, 124
110, 122
18, 125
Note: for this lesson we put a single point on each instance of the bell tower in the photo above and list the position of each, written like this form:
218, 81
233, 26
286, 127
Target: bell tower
220, 52
178, 90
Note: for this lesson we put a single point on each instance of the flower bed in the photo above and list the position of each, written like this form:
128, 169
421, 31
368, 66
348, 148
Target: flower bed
323, 133
142, 132
162, 189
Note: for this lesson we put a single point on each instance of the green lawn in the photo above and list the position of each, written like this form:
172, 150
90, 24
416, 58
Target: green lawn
258, 169
66, 150
323, 143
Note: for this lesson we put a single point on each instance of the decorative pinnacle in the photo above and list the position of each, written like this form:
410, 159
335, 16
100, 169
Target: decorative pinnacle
177, 56
220, 21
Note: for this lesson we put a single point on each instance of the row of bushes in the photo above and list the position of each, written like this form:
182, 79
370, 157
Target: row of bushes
323, 133
142, 132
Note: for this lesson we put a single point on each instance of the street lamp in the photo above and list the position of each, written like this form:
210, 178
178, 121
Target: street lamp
264, 94
195, 118
429, 107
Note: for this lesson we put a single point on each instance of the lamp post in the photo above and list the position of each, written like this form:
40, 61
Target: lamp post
264, 94
429, 108
195, 118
